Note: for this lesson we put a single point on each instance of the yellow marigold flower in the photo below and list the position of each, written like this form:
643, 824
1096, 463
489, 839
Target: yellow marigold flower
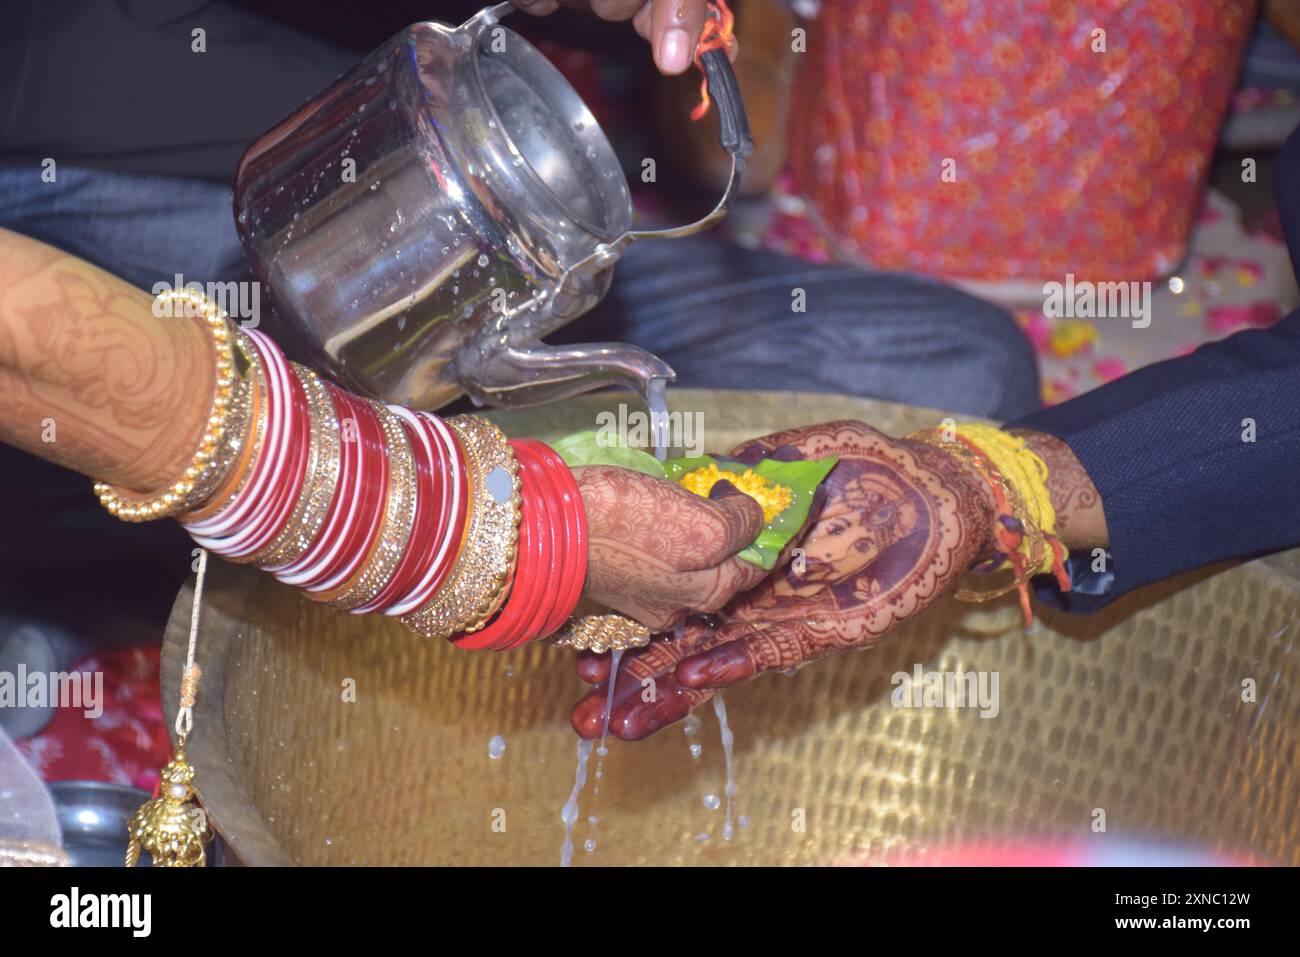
774, 498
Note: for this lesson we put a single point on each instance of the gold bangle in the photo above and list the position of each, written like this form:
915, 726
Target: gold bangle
395, 531
487, 555
202, 474
250, 445
602, 633
319, 483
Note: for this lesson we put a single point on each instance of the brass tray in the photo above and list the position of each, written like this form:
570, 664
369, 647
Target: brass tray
1137, 712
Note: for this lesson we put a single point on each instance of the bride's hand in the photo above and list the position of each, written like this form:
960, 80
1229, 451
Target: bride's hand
657, 551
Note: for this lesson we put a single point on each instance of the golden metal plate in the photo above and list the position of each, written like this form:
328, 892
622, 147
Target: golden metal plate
327, 738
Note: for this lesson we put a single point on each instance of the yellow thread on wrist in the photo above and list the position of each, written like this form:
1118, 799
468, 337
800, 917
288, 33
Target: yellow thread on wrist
1024, 470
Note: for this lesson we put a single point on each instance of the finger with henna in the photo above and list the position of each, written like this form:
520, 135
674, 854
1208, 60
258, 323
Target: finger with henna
631, 717
753, 650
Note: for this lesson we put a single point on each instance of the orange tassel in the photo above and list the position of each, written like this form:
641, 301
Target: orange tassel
719, 34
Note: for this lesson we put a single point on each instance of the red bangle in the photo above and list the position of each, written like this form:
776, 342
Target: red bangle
574, 575
351, 435
554, 557
308, 566
456, 498
287, 492
374, 492
287, 448
424, 525
531, 571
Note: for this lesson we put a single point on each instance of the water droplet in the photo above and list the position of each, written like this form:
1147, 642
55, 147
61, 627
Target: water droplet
496, 747
696, 750
712, 802
589, 845
482, 259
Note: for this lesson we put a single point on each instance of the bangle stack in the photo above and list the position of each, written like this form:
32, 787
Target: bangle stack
376, 508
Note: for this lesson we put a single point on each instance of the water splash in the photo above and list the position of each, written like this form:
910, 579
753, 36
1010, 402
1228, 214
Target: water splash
720, 709
569, 813
656, 400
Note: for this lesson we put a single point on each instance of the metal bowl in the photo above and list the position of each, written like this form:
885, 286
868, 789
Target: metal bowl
93, 816
327, 738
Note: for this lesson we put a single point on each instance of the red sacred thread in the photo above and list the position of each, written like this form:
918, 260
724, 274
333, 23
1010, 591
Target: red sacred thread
719, 34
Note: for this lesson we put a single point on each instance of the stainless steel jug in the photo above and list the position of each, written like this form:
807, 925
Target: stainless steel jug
445, 204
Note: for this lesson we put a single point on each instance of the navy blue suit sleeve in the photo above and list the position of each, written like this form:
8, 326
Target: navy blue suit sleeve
1166, 448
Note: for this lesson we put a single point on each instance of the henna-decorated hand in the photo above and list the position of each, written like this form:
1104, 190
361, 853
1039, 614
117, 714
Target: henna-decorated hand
658, 551
900, 523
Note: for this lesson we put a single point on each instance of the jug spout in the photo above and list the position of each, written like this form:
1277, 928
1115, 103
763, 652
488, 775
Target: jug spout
525, 371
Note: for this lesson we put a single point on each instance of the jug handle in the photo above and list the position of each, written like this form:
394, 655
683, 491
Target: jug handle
487, 17
735, 137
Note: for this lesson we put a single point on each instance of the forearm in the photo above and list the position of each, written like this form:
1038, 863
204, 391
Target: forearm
1194, 458
90, 378
1080, 517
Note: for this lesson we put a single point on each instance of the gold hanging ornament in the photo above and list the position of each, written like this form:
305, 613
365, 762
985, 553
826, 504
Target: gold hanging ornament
602, 633
172, 827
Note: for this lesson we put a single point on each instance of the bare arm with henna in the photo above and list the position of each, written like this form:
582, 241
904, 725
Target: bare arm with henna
91, 379
902, 521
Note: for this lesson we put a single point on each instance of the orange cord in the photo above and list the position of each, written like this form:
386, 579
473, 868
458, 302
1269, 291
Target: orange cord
719, 34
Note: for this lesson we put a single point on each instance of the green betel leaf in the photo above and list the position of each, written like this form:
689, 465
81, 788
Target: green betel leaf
594, 448
802, 478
